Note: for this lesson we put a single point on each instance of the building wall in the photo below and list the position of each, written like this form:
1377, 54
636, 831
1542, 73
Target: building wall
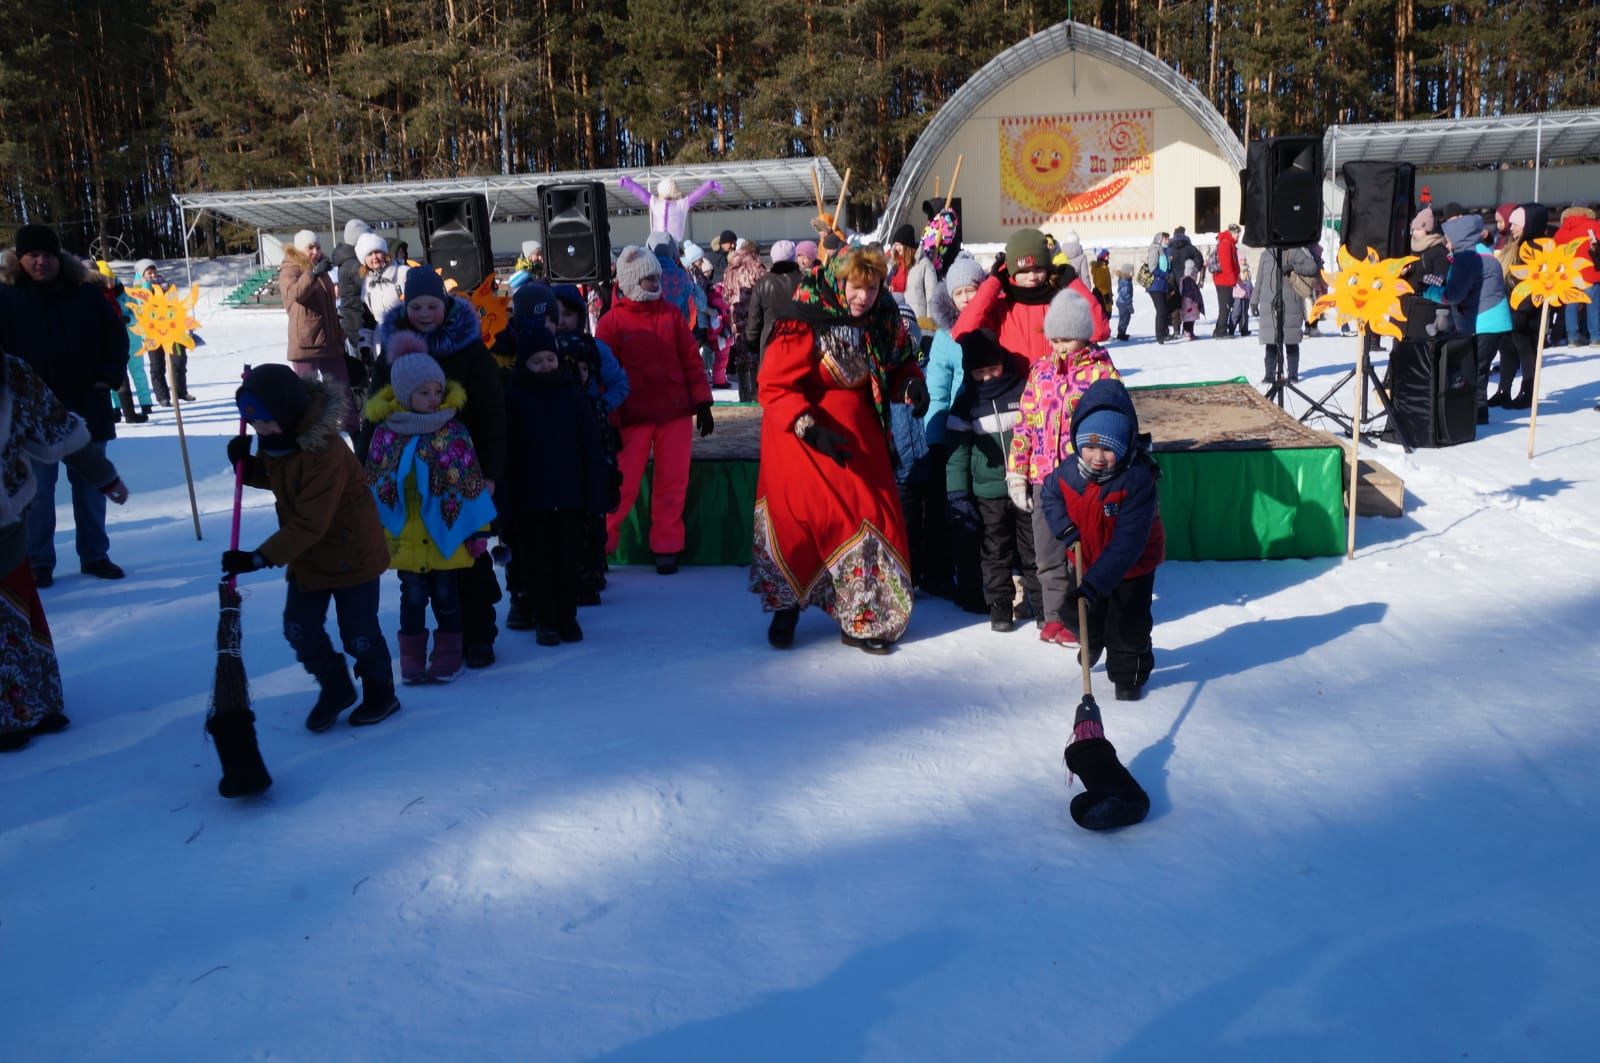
1184, 156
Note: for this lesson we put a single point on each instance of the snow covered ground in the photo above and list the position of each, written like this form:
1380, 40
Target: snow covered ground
1373, 789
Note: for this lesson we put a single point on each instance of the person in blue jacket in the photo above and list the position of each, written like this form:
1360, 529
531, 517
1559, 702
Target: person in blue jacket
1104, 498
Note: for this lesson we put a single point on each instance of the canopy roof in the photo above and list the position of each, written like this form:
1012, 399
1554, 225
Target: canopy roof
762, 183
1461, 142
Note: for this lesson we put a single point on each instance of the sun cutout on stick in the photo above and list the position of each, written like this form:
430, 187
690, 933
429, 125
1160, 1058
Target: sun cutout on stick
494, 314
1551, 274
162, 319
1366, 291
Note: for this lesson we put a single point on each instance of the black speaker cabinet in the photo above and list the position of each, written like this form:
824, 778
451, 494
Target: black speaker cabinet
1433, 391
1281, 192
577, 232
1377, 207
455, 238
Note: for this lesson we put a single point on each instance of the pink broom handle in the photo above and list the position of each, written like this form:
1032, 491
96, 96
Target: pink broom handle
238, 492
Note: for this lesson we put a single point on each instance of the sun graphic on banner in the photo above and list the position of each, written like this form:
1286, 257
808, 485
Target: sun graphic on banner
1366, 291
1550, 275
1041, 167
494, 312
162, 319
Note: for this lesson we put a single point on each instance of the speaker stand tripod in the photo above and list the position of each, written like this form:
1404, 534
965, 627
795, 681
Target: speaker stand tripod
1318, 406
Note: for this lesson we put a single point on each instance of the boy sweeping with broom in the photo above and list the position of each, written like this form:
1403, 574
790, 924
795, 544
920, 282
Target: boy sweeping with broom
1101, 503
1104, 497
328, 535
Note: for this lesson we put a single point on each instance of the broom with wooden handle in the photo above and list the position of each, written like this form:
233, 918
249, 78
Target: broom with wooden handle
1111, 796
230, 720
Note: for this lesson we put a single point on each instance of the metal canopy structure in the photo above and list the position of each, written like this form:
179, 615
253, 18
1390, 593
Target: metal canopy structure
764, 183
1469, 142
1061, 39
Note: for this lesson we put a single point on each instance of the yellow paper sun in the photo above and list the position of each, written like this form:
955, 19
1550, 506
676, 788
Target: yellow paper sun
1366, 291
494, 312
1552, 275
162, 319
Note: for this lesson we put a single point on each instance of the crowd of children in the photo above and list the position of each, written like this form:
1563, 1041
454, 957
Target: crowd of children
530, 444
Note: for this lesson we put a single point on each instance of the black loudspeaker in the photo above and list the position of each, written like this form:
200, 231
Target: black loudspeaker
455, 238
1377, 207
577, 232
1433, 388
1281, 192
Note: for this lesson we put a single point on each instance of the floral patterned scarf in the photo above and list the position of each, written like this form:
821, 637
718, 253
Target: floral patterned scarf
819, 302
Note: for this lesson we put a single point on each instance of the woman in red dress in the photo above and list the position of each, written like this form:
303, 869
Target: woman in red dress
828, 526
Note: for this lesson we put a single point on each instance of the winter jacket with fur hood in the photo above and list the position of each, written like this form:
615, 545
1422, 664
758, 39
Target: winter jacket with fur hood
457, 345
328, 529
70, 334
313, 307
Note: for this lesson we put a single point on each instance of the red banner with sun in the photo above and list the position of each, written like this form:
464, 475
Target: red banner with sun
1077, 168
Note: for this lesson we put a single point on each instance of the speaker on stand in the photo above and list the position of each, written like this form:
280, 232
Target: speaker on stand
455, 238
577, 232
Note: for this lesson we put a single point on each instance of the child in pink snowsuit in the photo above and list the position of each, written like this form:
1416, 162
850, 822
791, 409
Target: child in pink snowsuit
669, 208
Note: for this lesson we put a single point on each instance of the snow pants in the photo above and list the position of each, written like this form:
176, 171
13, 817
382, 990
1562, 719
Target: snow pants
669, 486
1120, 624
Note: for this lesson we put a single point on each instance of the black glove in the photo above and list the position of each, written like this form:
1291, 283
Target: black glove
236, 562
827, 442
702, 419
238, 449
916, 394
321, 266
1084, 592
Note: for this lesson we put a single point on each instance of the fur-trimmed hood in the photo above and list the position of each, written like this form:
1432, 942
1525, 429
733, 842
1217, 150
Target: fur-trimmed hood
460, 329
295, 258
73, 271
323, 420
1577, 211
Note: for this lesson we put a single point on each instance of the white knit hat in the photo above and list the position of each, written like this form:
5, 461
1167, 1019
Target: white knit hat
369, 243
633, 266
355, 229
140, 266
1068, 317
531, 248
783, 251
304, 239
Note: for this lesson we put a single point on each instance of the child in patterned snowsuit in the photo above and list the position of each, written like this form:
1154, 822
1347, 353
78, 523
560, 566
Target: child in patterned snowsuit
1043, 438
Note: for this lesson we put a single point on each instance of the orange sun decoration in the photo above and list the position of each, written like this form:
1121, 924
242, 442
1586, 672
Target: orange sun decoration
494, 310
1550, 275
1366, 291
164, 320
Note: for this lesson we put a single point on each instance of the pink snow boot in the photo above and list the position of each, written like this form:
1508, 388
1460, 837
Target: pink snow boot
413, 658
446, 663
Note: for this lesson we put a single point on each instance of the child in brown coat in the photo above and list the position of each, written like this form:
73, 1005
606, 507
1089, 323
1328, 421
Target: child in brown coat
328, 535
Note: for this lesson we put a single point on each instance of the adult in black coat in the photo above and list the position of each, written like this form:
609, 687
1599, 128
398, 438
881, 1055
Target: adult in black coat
353, 314
556, 475
56, 317
770, 296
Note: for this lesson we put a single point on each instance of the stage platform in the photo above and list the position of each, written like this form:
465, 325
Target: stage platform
1240, 480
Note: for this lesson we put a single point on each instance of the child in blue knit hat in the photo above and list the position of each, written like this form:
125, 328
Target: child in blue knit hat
1103, 497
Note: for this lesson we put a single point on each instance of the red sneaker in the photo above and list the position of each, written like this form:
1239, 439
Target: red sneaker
1065, 637
1051, 631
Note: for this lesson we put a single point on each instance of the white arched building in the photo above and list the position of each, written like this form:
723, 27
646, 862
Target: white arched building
1075, 130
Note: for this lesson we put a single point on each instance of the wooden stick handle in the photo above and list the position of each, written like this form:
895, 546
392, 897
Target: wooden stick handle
188, 475
816, 190
1538, 363
1083, 618
1355, 441
954, 177
936, 186
838, 211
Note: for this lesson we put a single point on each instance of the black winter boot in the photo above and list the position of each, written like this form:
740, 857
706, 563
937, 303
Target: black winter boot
180, 377
780, 633
338, 694
378, 702
747, 385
